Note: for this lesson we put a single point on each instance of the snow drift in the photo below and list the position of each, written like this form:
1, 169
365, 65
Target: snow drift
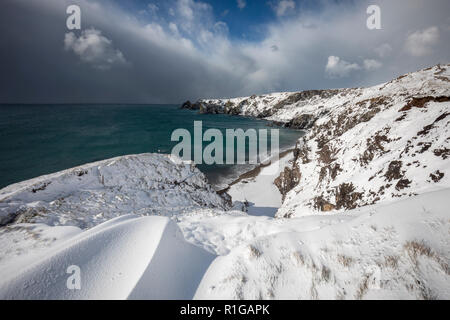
125, 258
395, 251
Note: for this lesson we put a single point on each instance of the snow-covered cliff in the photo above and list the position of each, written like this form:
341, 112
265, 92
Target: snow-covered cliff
145, 184
364, 145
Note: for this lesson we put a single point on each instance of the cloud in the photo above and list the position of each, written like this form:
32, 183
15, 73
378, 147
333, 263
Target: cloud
283, 7
384, 50
338, 68
371, 65
241, 4
93, 48
174, 28
153, 8
420, 43
193, 16
190, 53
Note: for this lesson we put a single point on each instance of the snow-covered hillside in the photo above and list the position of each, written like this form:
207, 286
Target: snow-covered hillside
398, 250
364, 145
146, 184
364, 210
395, 251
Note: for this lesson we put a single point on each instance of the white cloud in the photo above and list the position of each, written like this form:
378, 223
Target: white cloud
173, 27
371, 64
384, 50
241, 4
94, 48
185, 9
284, 6
420, 43
152, 7
338, 68
193, 15
222, 66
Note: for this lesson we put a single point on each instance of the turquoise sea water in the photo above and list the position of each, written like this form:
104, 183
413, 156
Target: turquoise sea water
42, 139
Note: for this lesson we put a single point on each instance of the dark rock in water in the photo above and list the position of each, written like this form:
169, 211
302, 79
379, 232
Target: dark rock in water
188, 105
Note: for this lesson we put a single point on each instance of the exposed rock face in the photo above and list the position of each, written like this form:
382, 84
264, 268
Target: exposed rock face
287, 180
303, 121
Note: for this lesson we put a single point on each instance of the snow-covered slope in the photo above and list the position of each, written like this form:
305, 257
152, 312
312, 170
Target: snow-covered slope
399, 250
386, 142
395, 251
128, 257
364, 145
374, 164
145, 184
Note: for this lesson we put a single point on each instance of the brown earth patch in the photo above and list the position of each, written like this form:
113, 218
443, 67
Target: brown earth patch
394, 171
346, 197
421, 102
288, 180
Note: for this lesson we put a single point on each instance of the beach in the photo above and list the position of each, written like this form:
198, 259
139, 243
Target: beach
257, 188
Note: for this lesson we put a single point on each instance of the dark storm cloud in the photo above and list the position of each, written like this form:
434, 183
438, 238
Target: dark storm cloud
187, 53
36, 67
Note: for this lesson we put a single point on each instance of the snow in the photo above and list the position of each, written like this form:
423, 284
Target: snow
362, 131
314, 257
395, 251
362, 151
128, 257
85, 196
151, 227
260, 192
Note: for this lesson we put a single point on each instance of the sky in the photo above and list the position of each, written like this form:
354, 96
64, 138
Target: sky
170, 51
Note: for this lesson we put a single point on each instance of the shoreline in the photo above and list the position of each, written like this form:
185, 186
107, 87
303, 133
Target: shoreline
253, 173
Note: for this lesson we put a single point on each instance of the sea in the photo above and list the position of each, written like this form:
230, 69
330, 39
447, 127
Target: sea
42, 139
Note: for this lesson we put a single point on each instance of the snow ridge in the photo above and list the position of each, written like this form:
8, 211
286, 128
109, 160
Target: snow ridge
85, 196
